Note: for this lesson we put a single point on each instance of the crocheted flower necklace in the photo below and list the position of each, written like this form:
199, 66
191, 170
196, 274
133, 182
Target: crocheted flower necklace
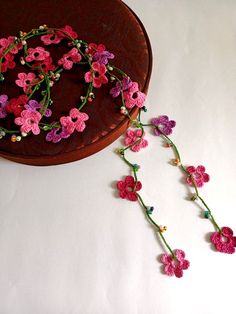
30, 115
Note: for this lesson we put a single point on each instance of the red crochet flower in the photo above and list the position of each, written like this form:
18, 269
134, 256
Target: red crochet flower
96, 75
132, 137
68, 29
133, 97
26, 81
7, 62
175, 266
93, 48
224, 241
45, 65
16, 105
29, 121
198, 175
128, 188
5, 43
37, 54
75, 121
69, 58
52, 38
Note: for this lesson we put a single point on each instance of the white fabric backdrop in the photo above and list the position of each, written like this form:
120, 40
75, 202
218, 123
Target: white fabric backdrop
68, 245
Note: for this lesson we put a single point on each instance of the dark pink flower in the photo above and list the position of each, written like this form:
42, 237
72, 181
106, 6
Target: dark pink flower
69, 58
132, 137
175, 266
75, 121
5, 43
26, 80
163, 124
133, 97
45, 65
93, 48
56, 135
198, 175
37, 54
128, 188
29, 121
224, 241
96, 75
3, 104
68, 30
121, 86
7, 62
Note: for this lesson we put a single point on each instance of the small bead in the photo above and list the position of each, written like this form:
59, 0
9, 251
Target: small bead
46, 128
120, 151
41, 76
90, 99
18, 138
136, 167
22, 61
13, 138
194, 197
24, 134
91, 95
51, 83
162, 228
82, 98
112, 78
150, 210
1, 77
144, 109
168, 145
41, 27
78, 45
206, 214
23, 42
176, 162
2, 133
110, 68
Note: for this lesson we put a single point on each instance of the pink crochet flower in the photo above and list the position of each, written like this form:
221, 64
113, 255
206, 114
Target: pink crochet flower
133, 97
96, 75
224, 241
52, 38
75, 121
29, 121
128, 188
198, 175
132, 137
7, 62
5, 43
37, 54
175, 266
26, 81
69, 58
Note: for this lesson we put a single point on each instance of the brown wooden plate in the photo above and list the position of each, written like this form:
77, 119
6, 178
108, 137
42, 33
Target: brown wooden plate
109, 22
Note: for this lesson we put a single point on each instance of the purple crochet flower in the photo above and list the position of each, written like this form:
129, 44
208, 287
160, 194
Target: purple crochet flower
56, 134
163, 124
33, 105
124, 85
3, 103
103, 56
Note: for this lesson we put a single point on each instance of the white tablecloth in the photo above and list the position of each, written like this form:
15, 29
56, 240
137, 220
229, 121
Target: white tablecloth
69, 245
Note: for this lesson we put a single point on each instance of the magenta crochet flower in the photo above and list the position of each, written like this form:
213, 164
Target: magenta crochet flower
52, 38
3, 103
175, 266
224, 241
103, 57
7, 63
56, 135
75, 121
67, 29
26, 80
69, 59
198, 175
33, 105
128, 188
163, 124
29, 121
121, 86
96, 75
93, 48
133, 97
37, 54
132, 137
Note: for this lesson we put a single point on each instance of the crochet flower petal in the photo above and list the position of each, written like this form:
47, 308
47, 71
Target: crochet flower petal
166, 259
201, 169
169, 270
178, 272
180, 255
132, 196
226, 231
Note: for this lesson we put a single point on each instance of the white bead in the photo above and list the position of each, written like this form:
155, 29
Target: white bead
23, 134
24, 42
18, 138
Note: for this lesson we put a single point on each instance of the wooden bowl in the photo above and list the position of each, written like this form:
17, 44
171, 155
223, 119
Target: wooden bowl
109, 22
